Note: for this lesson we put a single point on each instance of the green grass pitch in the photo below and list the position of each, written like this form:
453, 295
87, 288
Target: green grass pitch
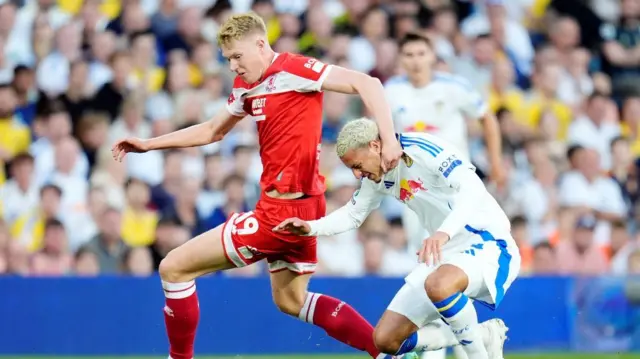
513, 356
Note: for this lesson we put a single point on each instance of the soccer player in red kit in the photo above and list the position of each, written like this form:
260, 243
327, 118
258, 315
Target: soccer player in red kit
283, 94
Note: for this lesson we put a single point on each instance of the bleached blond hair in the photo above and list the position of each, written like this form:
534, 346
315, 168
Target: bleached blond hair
239, 26
356, 134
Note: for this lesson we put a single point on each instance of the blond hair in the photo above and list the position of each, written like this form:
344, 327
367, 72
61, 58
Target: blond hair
356, 134
238, 26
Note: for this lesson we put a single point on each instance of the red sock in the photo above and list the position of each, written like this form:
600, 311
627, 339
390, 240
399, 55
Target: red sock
181, 315
340, 321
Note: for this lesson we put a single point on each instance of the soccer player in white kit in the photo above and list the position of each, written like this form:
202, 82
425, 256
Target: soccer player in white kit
470, 253
440, 104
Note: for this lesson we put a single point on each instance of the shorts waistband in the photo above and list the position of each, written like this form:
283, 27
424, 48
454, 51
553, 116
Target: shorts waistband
304, 200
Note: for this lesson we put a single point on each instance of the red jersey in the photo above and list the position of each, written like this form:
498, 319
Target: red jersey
287, 107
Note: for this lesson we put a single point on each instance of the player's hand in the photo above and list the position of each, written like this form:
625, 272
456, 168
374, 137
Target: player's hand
391, 154
431, 251
499, 177
135, 145
294, 226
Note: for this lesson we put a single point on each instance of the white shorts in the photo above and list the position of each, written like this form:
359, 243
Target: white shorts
491, 265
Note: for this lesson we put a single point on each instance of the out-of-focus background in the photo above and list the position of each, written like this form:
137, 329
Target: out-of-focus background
563, 77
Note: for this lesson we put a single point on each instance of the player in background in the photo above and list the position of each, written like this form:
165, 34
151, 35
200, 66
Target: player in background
440, 104
470, 253
283, 94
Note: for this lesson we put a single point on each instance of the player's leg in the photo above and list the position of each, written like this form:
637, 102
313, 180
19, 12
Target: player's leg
336, 317
178, 271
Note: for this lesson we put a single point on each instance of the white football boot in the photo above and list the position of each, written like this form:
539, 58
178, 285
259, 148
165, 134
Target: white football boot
494, 336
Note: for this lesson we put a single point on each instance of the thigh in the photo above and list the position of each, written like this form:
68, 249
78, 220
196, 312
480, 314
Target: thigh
198, 256
412, 303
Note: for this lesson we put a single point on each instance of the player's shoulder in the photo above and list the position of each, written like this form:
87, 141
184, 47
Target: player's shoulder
301, 65
452, 81
397, 81
239, 83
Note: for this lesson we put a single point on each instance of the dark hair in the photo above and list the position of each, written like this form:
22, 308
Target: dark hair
234, 177
619, 224
20, 158
138, 34
395, 221
51, 187
501, 112
21, 68
596, 95
573, 150
132, 180
414, 37
53, 223
543, 245
518, 221
618, 139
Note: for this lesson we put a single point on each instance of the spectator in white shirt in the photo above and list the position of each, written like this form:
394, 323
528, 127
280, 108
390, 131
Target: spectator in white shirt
132, 123
53, 72
375, 27
74, 187
586, 191
57, 127
103, 45
538, 199
20, 193
595, 130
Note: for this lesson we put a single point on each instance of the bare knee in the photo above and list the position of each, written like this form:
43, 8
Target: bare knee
289, 301
445, 282
386, 341
171, 271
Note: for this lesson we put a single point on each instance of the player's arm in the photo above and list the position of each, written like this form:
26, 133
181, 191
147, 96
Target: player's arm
493, 139
371, 92
351, 215
198, 135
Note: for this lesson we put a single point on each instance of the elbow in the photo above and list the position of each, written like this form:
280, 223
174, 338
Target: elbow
363, 82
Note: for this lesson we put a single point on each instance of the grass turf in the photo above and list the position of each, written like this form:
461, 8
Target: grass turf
511, 356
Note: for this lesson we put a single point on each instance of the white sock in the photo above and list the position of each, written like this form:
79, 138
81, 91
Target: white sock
435, 336
459, 312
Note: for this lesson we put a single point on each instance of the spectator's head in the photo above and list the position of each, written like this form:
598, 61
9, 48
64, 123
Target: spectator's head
8, 101
55, 238
243, 155
544, 259
549, 125
589, 164
597, 107
110, 224
133, 17
386, 55
619, 236
67, 152
190, 22
445, 21
621, 156
143, 49
565, 33
579, 61
50, 198
103, 45
58, 122
138, 194
69, 40
546, 173
502, 75
188, 194
132, 111
416, 54
343, 185
374, 247
93, 129
319, 23
86, 263
519, 231
177, 77
359, 148
138, 262
7, 18
233, 187
204, 57
22, 170
339, 47
631, 110
23, 80
536, 150
286, 44
545, 80
165, 235
583, 234
397, 234
484, 49
575, 153
173, 166
404, 24
5, 236
506, 120
78, 74
290, 25
545, 56
214, 171
97, 201
17, 258
120, 63
374, 25
335, 106
629, 9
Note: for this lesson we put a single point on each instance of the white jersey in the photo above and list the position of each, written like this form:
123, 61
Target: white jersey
438, 184
442, 107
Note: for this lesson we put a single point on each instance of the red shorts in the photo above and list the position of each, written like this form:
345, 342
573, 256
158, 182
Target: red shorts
248, 237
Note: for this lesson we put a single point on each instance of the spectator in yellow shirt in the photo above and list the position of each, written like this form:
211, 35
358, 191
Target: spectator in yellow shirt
15, 136
28, 228
631, 123
138, 222
503, 92
543, 97
146, 72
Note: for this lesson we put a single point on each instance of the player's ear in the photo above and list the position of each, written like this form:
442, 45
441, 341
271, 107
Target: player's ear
260, 43
376, 146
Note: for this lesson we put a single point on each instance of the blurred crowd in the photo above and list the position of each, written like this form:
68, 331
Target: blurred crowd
562, 77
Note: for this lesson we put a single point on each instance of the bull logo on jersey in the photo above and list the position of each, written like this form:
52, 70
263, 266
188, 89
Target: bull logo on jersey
421, 126
408, 188
271, 84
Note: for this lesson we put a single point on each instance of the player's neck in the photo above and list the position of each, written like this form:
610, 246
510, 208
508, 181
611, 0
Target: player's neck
421, 79
269, 58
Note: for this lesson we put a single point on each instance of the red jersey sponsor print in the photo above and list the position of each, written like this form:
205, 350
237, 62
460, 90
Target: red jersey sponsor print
287, 107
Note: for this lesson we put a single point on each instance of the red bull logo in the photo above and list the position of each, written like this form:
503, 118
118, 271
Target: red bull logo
408, 188
421, 126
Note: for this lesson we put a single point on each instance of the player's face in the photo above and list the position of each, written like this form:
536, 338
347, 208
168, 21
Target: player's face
365, 162
416, 57
246, 57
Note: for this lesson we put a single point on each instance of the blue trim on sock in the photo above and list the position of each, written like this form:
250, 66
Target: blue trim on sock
461, 301
409, 344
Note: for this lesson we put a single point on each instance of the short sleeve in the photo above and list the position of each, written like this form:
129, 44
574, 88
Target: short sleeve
469, 100
235, 102
308, 73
